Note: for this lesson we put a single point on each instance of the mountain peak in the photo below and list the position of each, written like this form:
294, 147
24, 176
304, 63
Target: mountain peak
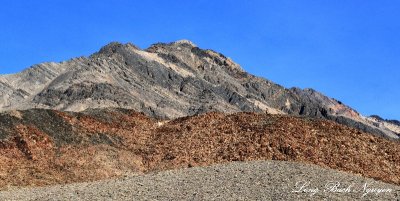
179, 44
185, 41
114, 47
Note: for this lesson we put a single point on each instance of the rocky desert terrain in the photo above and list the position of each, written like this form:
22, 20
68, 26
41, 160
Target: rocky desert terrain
43, 147
175, 121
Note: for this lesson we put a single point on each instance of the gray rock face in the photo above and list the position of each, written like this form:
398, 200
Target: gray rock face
166, 81
379, 122
380, 119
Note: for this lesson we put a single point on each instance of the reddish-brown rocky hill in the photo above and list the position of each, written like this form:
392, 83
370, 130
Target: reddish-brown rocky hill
41, 147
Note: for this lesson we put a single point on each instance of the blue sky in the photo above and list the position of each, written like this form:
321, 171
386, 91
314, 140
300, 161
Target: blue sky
347, 49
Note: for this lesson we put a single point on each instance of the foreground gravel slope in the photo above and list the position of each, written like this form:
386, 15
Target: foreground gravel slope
262, 180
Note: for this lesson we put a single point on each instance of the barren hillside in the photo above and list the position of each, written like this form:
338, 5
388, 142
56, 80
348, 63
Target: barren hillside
41, 147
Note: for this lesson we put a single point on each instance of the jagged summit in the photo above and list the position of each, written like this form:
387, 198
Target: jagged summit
186, 42
114, 47
167, 80
180, 43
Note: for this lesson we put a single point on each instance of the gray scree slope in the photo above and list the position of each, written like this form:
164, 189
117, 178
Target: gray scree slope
263, 180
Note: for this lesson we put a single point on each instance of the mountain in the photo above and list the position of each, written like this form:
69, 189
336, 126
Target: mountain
168, 80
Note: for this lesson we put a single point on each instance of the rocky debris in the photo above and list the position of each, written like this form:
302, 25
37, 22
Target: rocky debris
42, 147
166, 80
263, 180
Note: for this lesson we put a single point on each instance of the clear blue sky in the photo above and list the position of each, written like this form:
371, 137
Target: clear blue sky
347, 49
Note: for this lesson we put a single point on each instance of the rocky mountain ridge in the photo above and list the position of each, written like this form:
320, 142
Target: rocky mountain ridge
167, 80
